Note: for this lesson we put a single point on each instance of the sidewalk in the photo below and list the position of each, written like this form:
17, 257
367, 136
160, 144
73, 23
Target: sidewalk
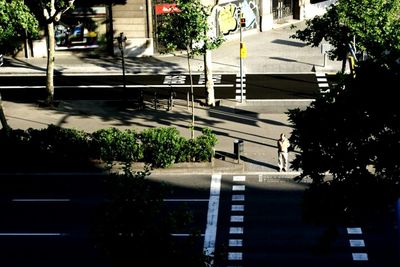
268, 52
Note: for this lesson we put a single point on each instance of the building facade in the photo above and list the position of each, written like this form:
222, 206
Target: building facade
97, 27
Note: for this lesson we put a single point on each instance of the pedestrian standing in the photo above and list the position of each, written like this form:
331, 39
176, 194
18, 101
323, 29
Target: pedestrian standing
283, 153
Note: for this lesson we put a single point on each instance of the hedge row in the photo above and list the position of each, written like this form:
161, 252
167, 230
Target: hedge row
160, 147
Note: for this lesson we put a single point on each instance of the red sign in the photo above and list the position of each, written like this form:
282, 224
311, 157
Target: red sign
166, 8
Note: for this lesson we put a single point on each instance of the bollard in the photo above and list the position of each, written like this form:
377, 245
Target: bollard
238, 148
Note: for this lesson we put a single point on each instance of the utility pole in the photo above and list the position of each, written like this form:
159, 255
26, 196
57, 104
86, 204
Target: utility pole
121, 44
243, 52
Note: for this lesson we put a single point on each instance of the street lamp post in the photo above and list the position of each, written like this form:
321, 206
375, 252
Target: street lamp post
121, 44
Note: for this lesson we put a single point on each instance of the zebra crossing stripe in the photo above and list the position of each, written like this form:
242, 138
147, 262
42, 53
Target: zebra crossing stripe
357, 243
237, 208
235, 256
235, 242
237, 218
238, 188
354, 230
240, 178
360, 256
237, 197
236, 230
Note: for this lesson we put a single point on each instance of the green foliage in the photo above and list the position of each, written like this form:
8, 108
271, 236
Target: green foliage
203, 146
351, 133
135, 227
162, 146
373, 23
59, 143
15, 20
328, 28
113, 144
187, 29
159, 147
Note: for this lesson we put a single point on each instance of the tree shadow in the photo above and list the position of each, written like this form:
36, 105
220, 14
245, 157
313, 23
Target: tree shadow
289, 43
149, 65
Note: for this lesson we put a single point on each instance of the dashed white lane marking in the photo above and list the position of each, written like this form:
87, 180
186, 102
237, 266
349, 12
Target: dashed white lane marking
235, 256
237, 218
212, 215
185, 200
236, 230
357, 243
239, 178
354, 230
33, 234
237, 208
237, 197
238, 188
360, 256
183, 235
235, 242
41, 200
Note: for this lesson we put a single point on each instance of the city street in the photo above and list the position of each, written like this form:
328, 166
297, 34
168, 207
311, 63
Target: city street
111, 87
248, 220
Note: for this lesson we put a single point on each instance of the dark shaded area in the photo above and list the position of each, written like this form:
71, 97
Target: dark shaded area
289, 43
296, 86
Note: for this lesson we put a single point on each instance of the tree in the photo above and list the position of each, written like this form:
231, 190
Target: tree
52, 10
351, 133
134, 228
371, 26
190, 33
16, 21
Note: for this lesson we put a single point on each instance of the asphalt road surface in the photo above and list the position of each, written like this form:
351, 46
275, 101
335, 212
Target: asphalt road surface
255, 86
247, 220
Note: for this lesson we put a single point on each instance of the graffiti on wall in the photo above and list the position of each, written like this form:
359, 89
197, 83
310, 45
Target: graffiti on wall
228, 16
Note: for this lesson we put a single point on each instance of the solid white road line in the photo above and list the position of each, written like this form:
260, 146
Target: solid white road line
111, 86
212, 215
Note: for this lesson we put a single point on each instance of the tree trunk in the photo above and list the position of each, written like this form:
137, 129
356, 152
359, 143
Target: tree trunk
50, 63
3, 119
210, 93
191, 90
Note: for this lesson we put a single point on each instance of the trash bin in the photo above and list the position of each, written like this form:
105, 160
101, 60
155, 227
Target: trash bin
238, 148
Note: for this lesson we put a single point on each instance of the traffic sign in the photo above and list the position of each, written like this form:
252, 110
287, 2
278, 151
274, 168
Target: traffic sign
243, 50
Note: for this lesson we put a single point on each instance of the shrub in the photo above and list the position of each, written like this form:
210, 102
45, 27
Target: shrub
56, 143
204, 145
162, 146
113, 144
